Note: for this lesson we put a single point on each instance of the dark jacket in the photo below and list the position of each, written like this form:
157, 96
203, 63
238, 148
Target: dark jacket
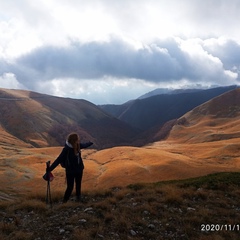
73, 163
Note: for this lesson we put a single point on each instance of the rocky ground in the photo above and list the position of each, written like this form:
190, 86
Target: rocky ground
202, 208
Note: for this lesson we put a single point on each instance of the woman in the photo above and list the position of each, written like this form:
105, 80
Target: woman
70, 158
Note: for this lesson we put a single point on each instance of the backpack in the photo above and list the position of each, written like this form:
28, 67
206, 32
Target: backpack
65, 162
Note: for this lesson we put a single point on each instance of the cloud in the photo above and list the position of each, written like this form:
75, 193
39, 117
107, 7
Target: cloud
225, 49
111, 45
8, 80
101, 91
55, 22
162, 61
99, 71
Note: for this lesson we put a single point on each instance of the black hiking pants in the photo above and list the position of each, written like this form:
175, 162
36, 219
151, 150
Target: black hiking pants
77, 177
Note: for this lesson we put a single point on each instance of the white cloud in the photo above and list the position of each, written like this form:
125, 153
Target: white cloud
57, 21
115, 45
8, 80
16, 39
106, 90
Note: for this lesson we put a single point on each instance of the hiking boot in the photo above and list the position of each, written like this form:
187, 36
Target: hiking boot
78, 199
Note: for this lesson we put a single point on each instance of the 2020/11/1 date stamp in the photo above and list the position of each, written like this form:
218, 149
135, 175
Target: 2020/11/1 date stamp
219, 227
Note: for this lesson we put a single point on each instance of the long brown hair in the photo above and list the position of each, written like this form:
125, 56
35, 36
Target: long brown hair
72, 138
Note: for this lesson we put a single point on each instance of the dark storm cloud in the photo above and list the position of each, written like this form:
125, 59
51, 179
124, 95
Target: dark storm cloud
95, 60
161, 61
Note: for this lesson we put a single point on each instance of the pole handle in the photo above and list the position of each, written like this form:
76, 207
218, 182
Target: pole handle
48, 165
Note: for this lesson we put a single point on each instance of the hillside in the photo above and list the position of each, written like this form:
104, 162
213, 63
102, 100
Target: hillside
159, 191
196, 146
205, 208
204, 141
216, 120
156, 110
41, 120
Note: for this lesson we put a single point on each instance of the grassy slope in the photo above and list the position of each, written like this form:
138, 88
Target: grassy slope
22, 168
164, 210
43, 120
199, 145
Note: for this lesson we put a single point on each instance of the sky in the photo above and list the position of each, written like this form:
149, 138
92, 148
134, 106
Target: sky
109, 51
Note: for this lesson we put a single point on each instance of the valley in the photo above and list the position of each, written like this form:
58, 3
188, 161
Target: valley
22, 169
204, 140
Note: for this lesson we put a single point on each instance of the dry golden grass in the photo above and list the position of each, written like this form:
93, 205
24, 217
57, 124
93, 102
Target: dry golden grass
29, 205
165, 210
22, 168
199, 146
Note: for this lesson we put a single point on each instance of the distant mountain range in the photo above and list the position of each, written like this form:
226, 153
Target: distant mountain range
41, 120
146, 113
159, 91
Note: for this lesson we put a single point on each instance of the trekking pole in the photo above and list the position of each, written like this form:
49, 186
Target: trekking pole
48, 197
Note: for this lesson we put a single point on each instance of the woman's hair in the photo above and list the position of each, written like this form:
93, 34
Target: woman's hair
72, 138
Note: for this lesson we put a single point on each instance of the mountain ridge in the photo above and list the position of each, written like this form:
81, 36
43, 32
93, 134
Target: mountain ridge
210, 120
160, 91
156, 110
203, 141
42, 120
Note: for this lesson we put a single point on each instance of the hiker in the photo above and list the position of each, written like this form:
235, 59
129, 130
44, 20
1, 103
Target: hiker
70, 159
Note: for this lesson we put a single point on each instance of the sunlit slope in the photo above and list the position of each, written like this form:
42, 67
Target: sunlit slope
205, 140
120, 166
218, 119
161, 161
9, 141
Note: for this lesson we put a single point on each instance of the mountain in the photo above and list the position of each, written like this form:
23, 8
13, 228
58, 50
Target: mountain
216, 120
159, 91
156, 110
42, 120
205, 140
